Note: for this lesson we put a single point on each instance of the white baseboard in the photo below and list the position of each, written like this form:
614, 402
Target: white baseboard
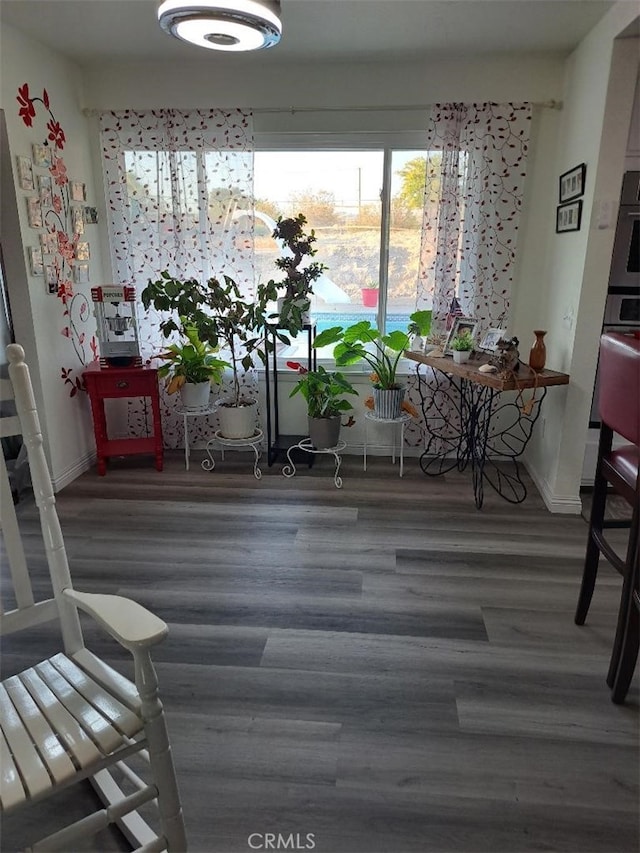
563, 504
65, 477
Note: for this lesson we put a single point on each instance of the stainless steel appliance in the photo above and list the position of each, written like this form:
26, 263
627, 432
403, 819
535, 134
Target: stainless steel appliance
624, 276
622, 308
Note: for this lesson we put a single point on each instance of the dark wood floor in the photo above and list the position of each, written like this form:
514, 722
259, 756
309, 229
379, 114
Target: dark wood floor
382, 666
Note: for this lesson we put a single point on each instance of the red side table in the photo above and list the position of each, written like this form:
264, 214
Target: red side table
115, 382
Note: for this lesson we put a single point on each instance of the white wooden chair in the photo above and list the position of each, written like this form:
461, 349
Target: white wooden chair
72, 717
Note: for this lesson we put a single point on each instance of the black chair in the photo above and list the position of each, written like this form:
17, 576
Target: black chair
617, 470
624, 666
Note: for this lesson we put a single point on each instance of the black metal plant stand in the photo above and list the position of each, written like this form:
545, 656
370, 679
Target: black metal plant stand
469, 424
278, 443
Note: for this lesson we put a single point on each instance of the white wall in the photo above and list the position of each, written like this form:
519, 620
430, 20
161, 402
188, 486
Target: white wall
38, 316
598, 97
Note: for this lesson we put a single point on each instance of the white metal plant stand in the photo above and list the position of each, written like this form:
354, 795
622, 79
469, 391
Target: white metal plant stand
191, 413
306, 445
400, 421
254, 442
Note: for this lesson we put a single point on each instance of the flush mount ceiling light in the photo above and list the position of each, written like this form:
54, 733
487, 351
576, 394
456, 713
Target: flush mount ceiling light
223, 24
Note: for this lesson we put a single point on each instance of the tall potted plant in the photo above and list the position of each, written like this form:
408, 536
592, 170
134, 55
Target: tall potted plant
325, 393
293, 304
364, 342
223, 319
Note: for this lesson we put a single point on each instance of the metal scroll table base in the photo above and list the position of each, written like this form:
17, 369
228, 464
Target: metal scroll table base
306, 445
254, 442
469, 425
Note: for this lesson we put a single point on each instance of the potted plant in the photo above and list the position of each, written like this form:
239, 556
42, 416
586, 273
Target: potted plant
293, 305
419, 329
222, 319
362, 341
370, 294
325, 393
191, 368
462, 345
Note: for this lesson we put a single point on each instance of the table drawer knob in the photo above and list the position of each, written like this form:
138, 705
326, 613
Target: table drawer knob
122, 384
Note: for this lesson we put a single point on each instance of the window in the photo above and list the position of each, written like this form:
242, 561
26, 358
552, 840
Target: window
343, 194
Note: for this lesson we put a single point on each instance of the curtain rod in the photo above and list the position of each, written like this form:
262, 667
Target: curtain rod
549, 105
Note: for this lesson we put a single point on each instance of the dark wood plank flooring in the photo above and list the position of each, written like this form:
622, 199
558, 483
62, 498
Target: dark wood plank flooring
382, 666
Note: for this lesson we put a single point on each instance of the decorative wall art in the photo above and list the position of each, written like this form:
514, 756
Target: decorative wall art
90, 215
41, 155
82, 251
44, 190
571, 184
34, 212
35, 261
568, 217
78, 192
77, 220
48, 243
51, 277
53, 211
25, 173
81, 273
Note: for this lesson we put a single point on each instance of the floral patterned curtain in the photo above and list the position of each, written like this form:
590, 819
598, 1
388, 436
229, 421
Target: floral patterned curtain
476, 170
180, 198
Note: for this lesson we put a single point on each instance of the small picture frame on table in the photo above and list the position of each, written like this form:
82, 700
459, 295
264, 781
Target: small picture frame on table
568, 217
41, 155
460, 324
35, 261
491, 338
25, 173
78, 191
34, 212
571, 183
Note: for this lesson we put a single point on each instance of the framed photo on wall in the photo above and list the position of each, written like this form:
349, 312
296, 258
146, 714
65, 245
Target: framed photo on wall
35, 261
78, 191
34, 212
77, 220
44, 188
25, 173
460, 325
48, 243
572, 183
41, 155
568, 217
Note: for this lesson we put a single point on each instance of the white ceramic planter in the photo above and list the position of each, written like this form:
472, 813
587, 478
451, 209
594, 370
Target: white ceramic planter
461, 356
195, 396
238, 421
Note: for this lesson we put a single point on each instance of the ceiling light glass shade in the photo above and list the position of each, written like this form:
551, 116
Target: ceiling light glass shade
232, 25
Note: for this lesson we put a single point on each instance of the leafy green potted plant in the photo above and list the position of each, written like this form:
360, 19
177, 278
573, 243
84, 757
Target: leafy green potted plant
191, 368
223, 319
461, 346
293, 306
325, 393
364, 342
370, 294
419, 329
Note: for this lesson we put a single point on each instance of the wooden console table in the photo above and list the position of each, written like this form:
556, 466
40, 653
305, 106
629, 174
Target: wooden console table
117, 382
469, 423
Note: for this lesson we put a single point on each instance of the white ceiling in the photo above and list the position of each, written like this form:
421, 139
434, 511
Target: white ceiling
94, 31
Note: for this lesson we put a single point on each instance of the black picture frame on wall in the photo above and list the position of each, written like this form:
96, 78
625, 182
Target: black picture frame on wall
568, 217
571, 183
